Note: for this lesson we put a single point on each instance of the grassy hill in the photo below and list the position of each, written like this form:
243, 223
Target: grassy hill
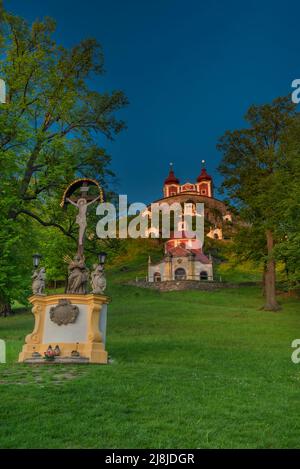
132, 261
188, 369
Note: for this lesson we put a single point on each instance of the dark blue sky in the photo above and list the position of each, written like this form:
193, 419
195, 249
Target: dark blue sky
189, 68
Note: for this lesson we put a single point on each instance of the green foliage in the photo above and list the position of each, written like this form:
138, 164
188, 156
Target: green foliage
15, 262
287, 249
49, 134
261, 169
131, 259
252, 159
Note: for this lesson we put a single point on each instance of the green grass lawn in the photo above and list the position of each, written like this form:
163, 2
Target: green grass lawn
188, 370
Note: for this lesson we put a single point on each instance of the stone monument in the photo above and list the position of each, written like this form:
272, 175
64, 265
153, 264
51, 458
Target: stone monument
70, 327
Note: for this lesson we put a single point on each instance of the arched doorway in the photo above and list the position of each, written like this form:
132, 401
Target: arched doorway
203, 275
180, 274
157, 277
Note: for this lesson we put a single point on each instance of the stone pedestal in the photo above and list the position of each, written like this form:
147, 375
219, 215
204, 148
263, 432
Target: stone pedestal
73, 322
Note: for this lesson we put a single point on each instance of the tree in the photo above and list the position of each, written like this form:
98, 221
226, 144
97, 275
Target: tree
287, 249
51, 127
15, 262
253, 159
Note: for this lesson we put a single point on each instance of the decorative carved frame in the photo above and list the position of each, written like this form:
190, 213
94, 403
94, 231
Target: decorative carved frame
93, 348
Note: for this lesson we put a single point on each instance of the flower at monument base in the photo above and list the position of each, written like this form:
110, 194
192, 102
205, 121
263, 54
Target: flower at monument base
56, 351
49, 354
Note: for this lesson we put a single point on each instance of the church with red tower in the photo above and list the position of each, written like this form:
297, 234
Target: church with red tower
202, 186
184, 258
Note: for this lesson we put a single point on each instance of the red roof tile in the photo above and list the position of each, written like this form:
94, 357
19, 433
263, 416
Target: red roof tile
179, 251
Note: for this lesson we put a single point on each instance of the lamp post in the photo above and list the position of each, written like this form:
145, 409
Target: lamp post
36, 260
102, 258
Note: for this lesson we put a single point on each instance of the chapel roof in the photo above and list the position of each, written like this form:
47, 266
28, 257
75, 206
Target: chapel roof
171, 179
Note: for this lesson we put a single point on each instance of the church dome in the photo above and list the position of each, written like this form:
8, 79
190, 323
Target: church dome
203, 176
171, 179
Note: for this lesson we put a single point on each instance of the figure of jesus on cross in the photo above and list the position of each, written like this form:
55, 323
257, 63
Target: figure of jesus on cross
81, 203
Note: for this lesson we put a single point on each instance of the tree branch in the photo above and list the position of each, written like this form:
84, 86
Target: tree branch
45, 223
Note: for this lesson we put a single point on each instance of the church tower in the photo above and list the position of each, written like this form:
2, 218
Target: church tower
203, 186
204, 182
171, 184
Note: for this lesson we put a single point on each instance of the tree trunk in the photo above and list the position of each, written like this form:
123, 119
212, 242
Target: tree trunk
270, 277
5, 309
263, 283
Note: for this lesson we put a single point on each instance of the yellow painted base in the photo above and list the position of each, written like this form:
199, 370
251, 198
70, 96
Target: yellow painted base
92, 348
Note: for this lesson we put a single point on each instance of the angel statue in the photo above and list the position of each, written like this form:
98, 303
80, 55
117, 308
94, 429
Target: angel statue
98, 279
78, 276
38, 281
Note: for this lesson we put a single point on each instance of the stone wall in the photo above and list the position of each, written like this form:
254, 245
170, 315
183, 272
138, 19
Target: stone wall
175, 285
211, 202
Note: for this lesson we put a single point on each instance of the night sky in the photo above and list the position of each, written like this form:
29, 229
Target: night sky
189, 68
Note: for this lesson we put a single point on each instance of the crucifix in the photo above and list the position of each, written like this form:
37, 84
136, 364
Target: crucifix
81, 202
